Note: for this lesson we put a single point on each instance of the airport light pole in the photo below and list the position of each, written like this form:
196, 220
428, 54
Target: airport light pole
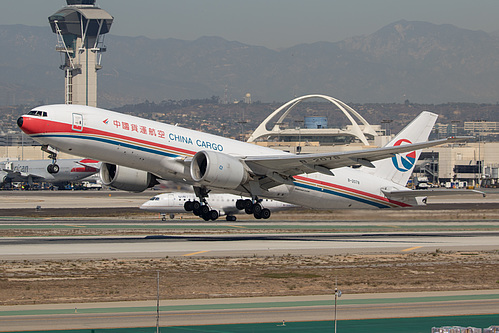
337, 293
157, 305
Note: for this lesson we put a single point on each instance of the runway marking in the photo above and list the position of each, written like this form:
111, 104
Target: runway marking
236, 226
412, 248
194, 253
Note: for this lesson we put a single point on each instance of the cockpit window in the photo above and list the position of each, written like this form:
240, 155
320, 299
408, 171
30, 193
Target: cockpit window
37, 113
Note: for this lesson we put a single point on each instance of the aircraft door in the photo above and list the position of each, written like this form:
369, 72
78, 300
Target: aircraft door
77, 122
171, 200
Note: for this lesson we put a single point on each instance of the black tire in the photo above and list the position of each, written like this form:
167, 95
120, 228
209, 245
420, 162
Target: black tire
257, 208
240, 204
55, 168
249, 210
257, 216
265, 213
188, 206
196, 205
248, 203
213, 215
206, 217
230, 218
196, 212
205, 210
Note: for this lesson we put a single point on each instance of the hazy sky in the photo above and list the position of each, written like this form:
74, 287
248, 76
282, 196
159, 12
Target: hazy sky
271, 23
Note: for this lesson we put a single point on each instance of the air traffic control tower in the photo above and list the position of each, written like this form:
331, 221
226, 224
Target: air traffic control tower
80, 29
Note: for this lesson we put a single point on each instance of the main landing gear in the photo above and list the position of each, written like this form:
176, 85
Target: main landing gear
256, 208
52, 168
201, 207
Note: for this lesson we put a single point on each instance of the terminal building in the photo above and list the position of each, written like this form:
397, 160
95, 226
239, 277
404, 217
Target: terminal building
468, 164
314, 131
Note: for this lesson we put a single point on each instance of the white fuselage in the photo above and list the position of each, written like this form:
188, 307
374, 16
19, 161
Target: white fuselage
36, 171
159, 149
225, 204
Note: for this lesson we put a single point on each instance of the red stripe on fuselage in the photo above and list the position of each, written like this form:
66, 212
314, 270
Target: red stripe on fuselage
63, 128
348, 189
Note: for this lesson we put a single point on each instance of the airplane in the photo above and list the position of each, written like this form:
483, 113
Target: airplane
224, 204
31, 171
136, 152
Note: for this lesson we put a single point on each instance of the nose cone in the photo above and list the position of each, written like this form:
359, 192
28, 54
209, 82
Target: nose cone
145, 205
30, 125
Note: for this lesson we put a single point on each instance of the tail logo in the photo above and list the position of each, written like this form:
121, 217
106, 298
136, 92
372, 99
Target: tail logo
405, 162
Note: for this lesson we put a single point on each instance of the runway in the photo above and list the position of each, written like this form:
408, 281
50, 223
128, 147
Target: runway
125, 237
242, 245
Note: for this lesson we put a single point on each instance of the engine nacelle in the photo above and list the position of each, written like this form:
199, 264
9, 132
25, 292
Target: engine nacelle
218, 170
127, 179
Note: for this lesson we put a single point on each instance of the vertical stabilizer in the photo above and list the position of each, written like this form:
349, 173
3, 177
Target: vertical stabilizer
399, 168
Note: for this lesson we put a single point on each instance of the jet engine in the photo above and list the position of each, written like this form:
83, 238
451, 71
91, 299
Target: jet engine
218, 170
127, 179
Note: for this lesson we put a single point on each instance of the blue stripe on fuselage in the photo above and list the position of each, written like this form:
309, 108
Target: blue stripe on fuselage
116, 143
340, 194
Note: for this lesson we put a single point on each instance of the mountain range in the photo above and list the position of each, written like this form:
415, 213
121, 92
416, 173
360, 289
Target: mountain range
406, 60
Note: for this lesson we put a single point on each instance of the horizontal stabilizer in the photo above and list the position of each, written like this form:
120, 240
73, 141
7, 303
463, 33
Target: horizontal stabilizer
394, 194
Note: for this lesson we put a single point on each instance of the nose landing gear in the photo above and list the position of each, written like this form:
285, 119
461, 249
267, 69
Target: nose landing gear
52, 168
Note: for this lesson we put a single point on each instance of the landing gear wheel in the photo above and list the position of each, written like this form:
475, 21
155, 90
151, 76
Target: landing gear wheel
257, 208
52, 168
240, 204
196, 212
230, 218
257, 216
188, 206
213, 215
248, 210
265, 213
248, 204
204, 210
196, 205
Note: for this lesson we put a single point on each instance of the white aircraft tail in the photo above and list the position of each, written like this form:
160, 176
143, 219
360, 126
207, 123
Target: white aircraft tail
399, 168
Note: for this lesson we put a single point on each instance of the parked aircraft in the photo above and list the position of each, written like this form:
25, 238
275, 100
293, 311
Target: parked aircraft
223, 204
136, 152
30, 171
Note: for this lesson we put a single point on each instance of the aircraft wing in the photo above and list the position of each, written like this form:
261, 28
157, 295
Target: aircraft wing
289, 165
397, 194
22, 175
